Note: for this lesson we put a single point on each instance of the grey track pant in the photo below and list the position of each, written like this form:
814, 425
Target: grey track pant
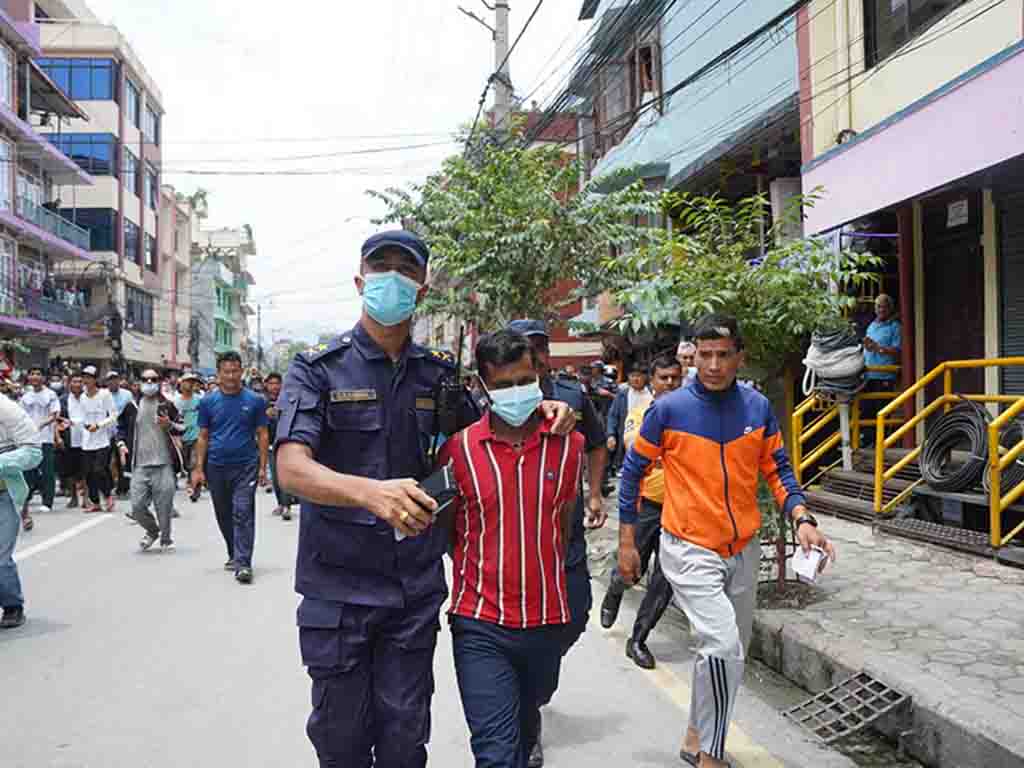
718, 596
154, 484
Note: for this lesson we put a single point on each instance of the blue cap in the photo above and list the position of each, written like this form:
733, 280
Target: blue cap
398, 238
529, 327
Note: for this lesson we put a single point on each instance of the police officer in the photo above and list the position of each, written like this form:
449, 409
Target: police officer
567, 389
357, 422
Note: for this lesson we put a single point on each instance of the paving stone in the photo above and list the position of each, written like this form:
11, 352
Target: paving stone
958, 626
970, 645
1013, 685
1000, 626
944, 671
984, 669
952, 657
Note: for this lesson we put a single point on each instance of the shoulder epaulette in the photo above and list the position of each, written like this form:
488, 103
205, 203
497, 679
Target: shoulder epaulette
320, 351
439, 356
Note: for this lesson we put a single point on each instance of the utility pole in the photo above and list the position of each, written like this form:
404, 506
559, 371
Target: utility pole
502, 76
259, 337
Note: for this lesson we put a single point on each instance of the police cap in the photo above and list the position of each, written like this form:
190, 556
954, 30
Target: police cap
401, 239
529, 327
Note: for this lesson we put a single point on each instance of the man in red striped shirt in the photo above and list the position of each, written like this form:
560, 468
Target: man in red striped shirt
518, 484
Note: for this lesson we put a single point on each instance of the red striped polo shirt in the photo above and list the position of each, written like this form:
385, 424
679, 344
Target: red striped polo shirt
509, 565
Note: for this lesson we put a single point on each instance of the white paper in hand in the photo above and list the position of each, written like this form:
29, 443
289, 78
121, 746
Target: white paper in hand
808, 565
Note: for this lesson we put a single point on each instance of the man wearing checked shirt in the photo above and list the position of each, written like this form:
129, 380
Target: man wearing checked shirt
713, 438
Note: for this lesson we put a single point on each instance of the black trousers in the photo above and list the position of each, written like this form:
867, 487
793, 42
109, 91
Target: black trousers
96, 468
659, 591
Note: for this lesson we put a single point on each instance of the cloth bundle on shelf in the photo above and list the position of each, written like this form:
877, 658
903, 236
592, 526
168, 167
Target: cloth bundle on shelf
835, 363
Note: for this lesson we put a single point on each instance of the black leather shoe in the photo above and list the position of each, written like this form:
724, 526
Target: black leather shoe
610, 608
12, 618
244, 576
637, 650
536, 756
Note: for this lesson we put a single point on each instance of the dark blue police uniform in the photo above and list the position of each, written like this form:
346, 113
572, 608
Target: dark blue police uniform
368, 620
577, 574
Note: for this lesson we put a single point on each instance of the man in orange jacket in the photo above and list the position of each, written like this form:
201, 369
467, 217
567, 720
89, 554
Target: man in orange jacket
713, 438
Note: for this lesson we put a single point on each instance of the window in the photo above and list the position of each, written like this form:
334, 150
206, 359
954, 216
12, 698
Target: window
150, 245
130, 172
223, 334
138, 315
892, 23
30, 195
151, 190
101, 223
95, 153
132, 249
7, 78
8, 277
151, 125
83, 79
6, 175
131, 102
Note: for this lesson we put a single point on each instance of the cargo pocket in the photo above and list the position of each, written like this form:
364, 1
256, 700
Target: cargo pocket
320, 637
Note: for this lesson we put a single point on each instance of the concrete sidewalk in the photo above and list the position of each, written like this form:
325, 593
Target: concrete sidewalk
946, 628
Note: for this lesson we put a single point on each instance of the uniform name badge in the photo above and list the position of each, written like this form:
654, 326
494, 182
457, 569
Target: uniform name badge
353, 395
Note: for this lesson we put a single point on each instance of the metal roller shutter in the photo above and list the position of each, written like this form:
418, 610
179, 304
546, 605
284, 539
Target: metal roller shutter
1010, 207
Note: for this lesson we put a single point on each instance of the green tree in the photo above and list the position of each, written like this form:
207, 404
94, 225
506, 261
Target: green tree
721, 258
507, 224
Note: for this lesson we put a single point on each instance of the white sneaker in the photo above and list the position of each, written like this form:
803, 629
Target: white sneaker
148, 541
43, 508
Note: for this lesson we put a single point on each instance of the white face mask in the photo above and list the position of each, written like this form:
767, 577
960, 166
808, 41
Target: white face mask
150, 388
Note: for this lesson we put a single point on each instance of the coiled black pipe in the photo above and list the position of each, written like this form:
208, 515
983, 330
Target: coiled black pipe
965, 423
1013, 475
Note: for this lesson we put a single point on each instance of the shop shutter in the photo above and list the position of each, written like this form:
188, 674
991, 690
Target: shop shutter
1010, 206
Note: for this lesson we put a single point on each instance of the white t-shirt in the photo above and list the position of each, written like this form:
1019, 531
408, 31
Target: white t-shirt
75, 412
637, 399
40, 406
101, 411
16, 426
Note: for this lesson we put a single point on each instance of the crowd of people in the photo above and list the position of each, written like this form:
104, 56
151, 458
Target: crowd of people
394, 473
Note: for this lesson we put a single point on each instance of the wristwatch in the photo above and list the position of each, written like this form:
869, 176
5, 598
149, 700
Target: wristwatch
806, 517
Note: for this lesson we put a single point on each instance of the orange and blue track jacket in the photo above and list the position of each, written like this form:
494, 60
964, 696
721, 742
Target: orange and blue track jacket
712, 446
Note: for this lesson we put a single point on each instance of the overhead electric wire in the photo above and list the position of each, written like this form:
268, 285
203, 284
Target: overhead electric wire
498, 73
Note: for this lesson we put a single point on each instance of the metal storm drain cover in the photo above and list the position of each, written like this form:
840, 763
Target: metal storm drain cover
846, 708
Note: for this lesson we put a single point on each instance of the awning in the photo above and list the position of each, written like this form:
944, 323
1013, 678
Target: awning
972, 123
32, 146
47, 97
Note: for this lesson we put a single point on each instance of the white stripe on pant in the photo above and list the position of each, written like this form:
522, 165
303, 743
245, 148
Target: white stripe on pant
718, 596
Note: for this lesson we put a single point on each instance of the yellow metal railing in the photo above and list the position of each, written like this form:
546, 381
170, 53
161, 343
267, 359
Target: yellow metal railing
827, 413
998, 503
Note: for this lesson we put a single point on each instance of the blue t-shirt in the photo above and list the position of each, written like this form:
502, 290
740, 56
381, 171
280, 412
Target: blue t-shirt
232, 421
885, 334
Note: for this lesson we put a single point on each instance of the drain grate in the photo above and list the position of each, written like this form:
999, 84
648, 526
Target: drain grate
846, 708
974, 542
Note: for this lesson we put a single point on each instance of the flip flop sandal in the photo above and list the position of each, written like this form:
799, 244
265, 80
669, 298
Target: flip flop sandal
691, 759
27, 524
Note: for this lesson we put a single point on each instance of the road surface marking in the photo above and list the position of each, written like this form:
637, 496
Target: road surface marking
60, 538
742, 750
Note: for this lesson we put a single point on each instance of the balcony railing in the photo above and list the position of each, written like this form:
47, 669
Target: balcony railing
30, 304
54, 223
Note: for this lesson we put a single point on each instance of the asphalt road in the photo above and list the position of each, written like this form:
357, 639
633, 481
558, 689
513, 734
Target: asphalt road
146, 660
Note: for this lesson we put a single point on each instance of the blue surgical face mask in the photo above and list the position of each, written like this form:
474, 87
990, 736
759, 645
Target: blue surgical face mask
150, 388
515, 405
389, 297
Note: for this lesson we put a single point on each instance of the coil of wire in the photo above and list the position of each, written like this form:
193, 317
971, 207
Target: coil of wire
964, 426
1013, 475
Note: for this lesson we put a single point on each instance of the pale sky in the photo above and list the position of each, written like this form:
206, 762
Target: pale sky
241, 81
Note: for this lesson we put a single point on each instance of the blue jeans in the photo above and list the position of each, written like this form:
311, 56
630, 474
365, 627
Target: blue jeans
233, 488
504, 676
10, 524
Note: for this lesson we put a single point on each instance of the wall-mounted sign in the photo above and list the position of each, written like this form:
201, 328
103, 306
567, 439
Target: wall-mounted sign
957, 214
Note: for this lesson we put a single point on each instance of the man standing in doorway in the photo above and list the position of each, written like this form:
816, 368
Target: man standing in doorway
882, 345
43, 407
589, 425
507, 631
666, 376
231, 458
154, 461
96, 416
709, 437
